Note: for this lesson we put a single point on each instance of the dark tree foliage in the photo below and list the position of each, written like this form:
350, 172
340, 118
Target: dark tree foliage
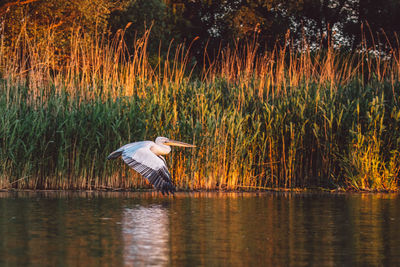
37, 18
208, 22
268, 21
321, 21
140, 16
379, 20
212, 23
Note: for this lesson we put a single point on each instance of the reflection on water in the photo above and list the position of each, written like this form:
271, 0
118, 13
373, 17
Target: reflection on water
126, 229
145, 233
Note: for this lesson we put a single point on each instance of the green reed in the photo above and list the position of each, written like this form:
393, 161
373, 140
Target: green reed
311, 137
282, 120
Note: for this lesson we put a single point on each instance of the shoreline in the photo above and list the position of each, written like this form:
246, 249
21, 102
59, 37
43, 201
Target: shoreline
222, 191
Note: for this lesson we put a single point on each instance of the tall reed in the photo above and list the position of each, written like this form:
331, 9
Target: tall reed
286, 118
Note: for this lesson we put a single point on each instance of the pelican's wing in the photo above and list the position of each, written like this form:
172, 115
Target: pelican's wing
152, 167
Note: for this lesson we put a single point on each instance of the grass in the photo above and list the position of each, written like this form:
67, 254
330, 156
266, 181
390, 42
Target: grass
283, 119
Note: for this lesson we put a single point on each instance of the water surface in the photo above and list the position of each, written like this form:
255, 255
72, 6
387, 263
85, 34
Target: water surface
212, 229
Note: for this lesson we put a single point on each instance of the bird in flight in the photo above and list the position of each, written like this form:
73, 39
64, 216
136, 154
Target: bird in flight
146, 158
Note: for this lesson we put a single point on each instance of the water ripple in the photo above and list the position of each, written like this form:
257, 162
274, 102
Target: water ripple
146, 235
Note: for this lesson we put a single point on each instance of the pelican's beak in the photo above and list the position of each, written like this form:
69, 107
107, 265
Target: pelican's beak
177, 143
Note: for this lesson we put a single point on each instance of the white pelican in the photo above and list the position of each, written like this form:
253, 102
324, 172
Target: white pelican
146, 158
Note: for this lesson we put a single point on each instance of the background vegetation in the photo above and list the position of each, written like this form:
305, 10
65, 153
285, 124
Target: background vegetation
311, 107
213, 23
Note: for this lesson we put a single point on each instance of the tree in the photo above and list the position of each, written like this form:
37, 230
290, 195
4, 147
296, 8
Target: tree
143, 15
6, 6
379, 21
38, 18
268, 20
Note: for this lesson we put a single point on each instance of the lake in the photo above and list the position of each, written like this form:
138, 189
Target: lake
209, 229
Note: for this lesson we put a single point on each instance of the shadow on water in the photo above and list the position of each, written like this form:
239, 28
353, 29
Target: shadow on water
98, 229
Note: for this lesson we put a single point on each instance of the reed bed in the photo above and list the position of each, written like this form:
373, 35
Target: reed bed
287, 118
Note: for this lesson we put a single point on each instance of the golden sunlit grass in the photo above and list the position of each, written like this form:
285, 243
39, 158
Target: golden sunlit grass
286, 118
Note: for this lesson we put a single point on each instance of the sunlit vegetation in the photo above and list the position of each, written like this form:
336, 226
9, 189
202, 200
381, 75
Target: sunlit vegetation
286, 118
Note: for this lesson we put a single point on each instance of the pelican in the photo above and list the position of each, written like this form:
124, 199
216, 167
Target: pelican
146, 158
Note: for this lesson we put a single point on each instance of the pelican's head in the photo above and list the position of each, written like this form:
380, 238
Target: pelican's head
166, 141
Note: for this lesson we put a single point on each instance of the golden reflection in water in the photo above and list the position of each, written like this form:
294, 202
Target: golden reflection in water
199, 229
145, 233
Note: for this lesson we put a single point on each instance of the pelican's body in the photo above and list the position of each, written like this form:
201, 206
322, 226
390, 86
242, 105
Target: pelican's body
146, 157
